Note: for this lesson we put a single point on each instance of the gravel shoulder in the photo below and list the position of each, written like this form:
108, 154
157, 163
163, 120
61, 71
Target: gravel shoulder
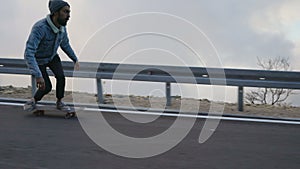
184, 104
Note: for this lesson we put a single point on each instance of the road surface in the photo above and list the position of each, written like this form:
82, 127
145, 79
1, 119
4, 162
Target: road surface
28, 142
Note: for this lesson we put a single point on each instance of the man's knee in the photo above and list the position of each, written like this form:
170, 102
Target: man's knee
60, 77
48, 89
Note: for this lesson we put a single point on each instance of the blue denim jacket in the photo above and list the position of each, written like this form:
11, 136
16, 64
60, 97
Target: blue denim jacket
43, 43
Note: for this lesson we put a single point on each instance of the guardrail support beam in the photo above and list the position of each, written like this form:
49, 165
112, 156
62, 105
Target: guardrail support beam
33, 86
168, 93
100, 91
241, 98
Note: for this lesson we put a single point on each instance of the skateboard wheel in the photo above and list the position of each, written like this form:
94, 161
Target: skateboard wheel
39, 113
69, 115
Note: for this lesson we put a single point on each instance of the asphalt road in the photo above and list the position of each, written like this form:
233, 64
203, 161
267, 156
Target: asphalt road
28, 142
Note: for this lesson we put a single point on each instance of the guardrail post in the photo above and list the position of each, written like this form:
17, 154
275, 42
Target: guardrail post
33, 85
100, 91
241, 98
168, 93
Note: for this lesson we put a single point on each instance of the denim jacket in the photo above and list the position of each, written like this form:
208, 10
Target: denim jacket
43, 43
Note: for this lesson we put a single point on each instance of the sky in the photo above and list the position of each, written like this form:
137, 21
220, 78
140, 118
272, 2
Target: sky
240, 31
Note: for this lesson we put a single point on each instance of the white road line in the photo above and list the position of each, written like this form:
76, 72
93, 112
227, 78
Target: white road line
196, 116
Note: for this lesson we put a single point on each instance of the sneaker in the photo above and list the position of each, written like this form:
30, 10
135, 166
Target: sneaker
62, 106
30, 106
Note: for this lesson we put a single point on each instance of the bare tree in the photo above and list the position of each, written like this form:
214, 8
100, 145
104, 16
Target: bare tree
270, 95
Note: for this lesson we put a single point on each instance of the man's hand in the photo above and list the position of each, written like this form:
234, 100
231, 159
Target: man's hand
40, 82
77, 66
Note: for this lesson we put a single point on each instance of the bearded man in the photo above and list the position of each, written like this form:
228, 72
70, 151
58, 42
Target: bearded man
46, 36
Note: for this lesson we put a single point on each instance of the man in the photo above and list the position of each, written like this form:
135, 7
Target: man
41, 52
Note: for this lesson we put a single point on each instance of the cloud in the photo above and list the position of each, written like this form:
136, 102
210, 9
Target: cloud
277, 18
240, 30
17, 17
282, 20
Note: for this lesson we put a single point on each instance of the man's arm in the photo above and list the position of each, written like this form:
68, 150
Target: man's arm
31, 47
66, 47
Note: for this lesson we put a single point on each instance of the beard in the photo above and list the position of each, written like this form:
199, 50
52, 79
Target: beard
62, 21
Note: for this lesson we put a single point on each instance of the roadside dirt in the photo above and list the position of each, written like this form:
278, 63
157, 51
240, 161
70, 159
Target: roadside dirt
185, 104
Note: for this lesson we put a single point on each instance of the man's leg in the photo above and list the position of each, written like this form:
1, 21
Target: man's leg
48, 86
31, 105
57, 69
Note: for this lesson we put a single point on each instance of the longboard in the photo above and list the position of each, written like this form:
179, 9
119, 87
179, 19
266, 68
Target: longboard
41, 109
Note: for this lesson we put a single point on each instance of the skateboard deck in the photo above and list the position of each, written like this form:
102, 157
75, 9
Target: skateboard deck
42, 109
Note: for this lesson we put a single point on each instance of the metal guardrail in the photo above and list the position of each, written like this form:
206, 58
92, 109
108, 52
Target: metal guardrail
168, 74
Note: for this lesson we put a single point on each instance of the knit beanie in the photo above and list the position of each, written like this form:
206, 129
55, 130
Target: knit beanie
56, 5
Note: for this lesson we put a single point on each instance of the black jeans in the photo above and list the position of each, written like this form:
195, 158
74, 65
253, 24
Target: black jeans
56, 68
